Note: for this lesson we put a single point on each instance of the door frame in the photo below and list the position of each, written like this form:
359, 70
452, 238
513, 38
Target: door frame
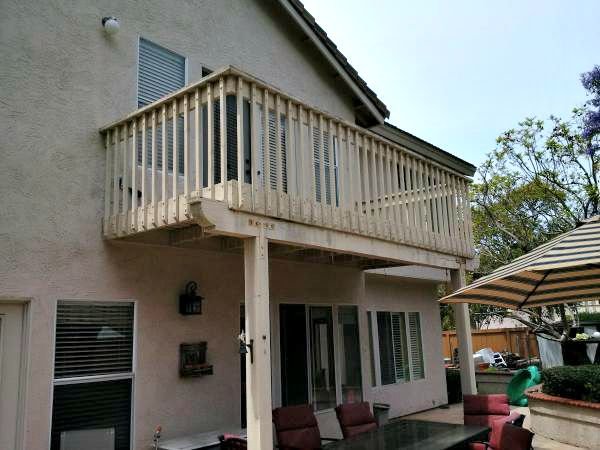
25, 302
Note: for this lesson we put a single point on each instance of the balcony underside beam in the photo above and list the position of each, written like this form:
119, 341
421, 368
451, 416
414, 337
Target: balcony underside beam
240, 224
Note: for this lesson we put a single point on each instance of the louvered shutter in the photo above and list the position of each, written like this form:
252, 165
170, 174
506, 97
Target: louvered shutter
386, 348
273, 150
93, 339
400, 347
318, 165
416, 346
160, 72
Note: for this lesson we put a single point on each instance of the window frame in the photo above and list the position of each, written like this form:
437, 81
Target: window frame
96, 378
376, 381
336, 346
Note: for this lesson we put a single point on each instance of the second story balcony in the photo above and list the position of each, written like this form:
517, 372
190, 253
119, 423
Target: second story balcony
233, 145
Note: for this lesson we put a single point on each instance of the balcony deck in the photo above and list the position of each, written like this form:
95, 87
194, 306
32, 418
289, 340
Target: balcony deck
323, 183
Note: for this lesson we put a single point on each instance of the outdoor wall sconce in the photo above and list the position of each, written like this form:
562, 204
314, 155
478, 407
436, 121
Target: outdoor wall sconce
190, 302
245, 347
111, 25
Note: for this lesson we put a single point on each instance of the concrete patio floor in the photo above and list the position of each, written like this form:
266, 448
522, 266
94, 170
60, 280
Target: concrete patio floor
454, 414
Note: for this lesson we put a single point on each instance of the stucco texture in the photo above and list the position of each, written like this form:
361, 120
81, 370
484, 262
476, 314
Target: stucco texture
61, 79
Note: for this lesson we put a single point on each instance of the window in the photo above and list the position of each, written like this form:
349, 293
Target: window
93, 373
160, 72
349, 352
321, 355
318, 342
397, 347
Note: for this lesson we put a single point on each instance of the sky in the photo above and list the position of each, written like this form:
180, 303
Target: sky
458, 73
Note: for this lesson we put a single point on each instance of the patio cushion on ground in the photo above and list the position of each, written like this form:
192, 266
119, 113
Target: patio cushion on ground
232, 442
296, 427
484, 409
355, 418
515, 438
496, 433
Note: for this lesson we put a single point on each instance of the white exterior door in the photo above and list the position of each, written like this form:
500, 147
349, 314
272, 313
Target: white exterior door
11, 378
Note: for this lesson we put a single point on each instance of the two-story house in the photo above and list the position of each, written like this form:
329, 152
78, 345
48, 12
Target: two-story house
228, 143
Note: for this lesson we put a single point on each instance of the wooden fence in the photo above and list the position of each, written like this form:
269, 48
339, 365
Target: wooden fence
515, 340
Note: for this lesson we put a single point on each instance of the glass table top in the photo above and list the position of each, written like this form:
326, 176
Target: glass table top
413, 434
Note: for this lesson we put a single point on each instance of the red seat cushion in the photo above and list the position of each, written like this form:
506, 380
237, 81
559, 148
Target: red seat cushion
496, 432
493, 404
485, 409
296, 427
515, 438
477, 446
355, 418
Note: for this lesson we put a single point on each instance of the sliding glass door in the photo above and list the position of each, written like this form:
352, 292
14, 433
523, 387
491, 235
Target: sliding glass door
320, 355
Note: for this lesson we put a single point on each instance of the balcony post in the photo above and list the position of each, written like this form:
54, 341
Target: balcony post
257, 328
463, 334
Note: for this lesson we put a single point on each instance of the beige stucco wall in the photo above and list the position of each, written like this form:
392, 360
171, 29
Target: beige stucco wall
389, 294
62, 78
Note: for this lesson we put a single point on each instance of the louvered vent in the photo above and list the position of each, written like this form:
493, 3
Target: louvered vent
93, 339
160, 72
416, 346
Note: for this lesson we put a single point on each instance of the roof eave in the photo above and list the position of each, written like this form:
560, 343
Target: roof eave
424, 148
379, 112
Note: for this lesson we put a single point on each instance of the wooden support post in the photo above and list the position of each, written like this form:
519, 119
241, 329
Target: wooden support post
107, 183
210, 130
257, 330
266, 152
223, 139
463, 334
239, 102
134, 165
165, 159
186, 147
197, 141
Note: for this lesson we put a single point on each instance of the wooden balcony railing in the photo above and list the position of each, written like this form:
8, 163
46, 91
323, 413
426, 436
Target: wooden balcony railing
317, 169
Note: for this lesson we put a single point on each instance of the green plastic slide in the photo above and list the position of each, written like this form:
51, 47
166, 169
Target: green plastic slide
522, 380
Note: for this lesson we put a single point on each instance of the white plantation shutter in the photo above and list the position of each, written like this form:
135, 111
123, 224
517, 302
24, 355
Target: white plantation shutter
327, 164
273, 150
400, 347
416, 346
93, 339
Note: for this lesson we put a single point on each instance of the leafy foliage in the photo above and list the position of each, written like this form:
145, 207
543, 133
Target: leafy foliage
541, 180
585, 316
575, 382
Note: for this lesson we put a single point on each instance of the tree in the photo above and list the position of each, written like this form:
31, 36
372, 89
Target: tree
541, 180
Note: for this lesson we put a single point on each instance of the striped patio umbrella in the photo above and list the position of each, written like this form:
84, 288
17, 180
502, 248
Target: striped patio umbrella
564, 270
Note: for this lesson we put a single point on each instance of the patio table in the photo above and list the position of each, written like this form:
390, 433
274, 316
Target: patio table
205, 440
414, 434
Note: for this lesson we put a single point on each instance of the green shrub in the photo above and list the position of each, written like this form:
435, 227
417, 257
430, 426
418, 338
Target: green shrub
576, 382
585, 316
